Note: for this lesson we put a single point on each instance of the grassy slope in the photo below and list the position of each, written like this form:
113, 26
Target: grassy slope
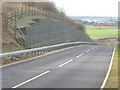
8, 42
102, 32
107, 32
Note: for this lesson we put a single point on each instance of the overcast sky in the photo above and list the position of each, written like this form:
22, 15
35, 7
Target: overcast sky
88, 7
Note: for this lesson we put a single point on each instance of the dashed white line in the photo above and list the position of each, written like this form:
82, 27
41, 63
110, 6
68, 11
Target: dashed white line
80, 55
93, 48
65, 63
47, 71
87, 50
31, 79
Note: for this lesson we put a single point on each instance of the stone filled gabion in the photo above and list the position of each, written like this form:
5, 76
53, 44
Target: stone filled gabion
46, 31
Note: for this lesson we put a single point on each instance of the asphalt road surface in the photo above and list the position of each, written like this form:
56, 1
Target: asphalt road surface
78, 67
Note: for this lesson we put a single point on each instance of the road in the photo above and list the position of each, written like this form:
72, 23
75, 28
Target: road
84, 66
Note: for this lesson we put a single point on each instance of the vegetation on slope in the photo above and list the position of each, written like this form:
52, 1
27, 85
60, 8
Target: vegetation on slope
7, 7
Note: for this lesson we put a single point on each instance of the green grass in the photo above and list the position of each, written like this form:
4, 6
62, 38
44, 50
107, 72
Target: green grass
102, 32
108, 32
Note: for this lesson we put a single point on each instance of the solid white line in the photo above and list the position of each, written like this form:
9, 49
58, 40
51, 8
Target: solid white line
87, 50
80, 55
65, 63
109, 69
31, 79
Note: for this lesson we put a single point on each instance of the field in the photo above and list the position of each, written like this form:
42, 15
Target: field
107, 32
102, 32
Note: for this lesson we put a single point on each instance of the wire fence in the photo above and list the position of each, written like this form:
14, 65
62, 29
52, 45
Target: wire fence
49, 31
28, 11
14, 16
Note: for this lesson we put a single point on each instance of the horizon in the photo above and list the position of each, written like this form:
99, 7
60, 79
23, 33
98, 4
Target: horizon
95, 16
108, 8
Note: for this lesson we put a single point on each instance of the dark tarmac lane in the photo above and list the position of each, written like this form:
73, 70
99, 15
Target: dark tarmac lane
78, 67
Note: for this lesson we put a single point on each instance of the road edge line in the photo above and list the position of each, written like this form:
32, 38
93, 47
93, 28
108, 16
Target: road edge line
109, 69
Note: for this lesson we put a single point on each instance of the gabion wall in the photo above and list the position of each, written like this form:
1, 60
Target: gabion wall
48, 32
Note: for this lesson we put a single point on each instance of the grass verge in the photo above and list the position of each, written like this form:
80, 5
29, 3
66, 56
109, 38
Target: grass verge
113, 77
99, 32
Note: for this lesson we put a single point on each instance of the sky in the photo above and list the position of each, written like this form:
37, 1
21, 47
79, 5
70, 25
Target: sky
88, 7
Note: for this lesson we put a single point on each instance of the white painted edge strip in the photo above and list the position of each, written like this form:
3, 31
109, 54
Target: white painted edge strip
30, 79
87, 50
96, 46
65, 63
109, 69
80, 55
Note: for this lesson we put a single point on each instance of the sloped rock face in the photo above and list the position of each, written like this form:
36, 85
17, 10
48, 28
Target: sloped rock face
48, 32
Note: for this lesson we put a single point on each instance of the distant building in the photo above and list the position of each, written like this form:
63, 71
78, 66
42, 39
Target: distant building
87, 20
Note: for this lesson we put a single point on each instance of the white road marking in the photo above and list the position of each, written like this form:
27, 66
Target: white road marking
93, 48
65, 63
109, 69
87, 50
96, 46
80, 55
31, 79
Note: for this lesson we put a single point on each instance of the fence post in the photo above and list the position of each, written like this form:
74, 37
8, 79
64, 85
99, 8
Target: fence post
33, 11
15, 17
21, 11
15, 32
9, 20
26, 11
36, 11
12, 17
